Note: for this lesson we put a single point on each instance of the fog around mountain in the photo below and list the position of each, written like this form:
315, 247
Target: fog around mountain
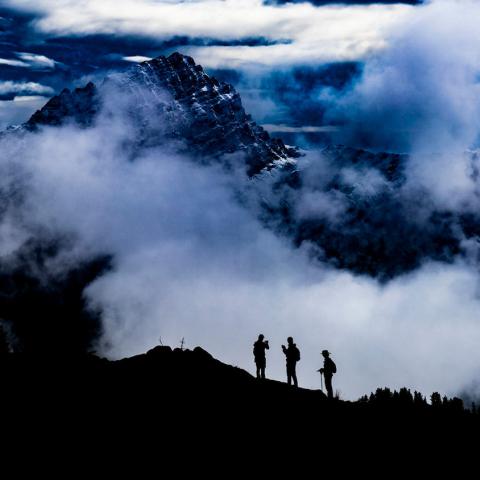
166, 212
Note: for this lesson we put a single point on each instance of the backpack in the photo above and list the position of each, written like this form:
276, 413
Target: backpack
258, 351
297, 354
334, 367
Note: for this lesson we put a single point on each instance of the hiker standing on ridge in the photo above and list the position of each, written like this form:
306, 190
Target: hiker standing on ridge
259, 348
293, 356
329, 368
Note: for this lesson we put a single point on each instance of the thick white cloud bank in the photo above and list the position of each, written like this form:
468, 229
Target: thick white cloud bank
421, 96
190, 262
317, 34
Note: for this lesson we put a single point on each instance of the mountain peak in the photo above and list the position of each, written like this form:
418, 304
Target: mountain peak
177, 57
203, 113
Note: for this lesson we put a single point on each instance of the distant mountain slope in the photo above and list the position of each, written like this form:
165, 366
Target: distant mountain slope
355, 211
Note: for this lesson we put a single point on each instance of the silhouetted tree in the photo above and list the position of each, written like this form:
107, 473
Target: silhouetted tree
418, 399
436, 400
382, 395
405, 396
456, 405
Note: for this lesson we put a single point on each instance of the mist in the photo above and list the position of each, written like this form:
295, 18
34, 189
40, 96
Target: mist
192, 257
192, 260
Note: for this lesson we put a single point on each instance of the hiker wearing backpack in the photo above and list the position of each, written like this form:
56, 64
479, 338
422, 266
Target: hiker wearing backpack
329, 368
292, 353
259, 348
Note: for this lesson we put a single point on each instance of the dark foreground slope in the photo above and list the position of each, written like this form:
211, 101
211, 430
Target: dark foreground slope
176, 390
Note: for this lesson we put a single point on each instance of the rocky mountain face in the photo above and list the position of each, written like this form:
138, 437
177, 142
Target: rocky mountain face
79, 106
188, 105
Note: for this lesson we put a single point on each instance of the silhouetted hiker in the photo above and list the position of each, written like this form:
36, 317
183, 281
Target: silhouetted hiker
259, 348
293, 356
329, 368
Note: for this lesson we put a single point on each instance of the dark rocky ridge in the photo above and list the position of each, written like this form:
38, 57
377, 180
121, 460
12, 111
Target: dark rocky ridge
181, 389
80, 106
390, 165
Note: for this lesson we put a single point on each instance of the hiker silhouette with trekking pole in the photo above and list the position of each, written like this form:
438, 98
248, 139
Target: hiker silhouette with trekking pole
328, 370
259, 348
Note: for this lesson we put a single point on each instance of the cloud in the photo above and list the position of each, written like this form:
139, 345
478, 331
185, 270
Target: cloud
343, 2
37, 61
302, 129
18, 110
315, 34
190, 261
422, 97
13, 63
94, 39
292, 101
136, 59
420, 91
24, 88
29, 60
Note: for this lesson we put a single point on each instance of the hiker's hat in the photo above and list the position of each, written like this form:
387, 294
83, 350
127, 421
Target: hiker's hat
325, 352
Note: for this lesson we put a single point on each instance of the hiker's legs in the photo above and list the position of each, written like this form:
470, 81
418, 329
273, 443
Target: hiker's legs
328, 385
261, 364
294, 375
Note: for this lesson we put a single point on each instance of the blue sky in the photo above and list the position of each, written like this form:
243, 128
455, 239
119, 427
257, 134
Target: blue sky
275, 52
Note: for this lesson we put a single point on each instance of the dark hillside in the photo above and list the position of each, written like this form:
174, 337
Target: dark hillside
191, 389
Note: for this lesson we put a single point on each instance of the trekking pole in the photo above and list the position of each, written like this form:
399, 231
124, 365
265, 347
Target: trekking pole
321, 380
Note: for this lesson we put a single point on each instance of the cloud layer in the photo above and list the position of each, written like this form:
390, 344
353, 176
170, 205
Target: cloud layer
315, 34
42, 43
190, 261
8, 87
